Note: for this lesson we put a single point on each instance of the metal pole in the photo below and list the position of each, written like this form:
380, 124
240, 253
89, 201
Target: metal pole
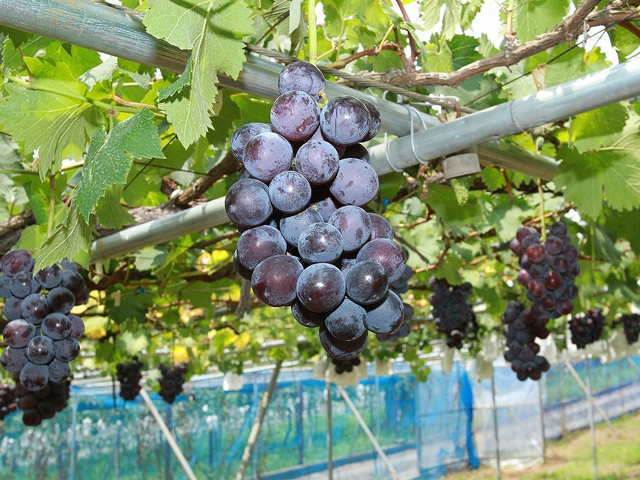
591, 399
118, 436
329, 433
496, 430
299, 424
167, 448
365, 428
256, 448
167, 435
542, 429
378, 426
74, 425
592, 428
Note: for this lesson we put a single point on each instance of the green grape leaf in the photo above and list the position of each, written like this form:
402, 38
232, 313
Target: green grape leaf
103, 71
596, 128
295, 10
18, 37
11, 56
111, 214
493, 178
535, 17
55, 121
624, 225
67, 240
109, 158
451, 19
150, 258
132, 342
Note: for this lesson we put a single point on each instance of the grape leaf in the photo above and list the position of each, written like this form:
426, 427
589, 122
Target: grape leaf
11, 56
108, 161
493, 178
111, 214
451, 18
55, 121
595, 128
535, 17
624, 225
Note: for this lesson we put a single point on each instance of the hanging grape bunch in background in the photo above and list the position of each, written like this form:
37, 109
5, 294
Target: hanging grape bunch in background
8, 401
172, 381
452, 311
129, 376
306, 240
42, 333
587, 328
631, 325
44, 403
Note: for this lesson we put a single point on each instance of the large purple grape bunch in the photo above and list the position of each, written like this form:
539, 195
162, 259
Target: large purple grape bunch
548, 270
42, 334
8, 401
129, 375
306, 240
631, 325
452, 311
587, 328
342, 366
172, 381
521, 329
43, 404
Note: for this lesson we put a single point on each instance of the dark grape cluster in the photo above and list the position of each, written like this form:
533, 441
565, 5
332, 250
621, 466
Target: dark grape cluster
400, 287
129, 376
452, 311
342, 366
43, 404
306, 240
521, 328
42, 334
8, 402
587, 328
172, 381
548, 270
631, 324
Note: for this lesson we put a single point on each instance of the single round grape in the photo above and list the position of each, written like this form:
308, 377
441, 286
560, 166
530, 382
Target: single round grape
16, 261
345, 121
267, 155
244, 135
77, 326
345, 265
82, 297
34, 377
31, 417
367, 283
59, 371
293, 226
18, 333
356, 183
295, 115
307, 318
12, 308
240, 269
399, 287
34, 308
46, 409
21, 284
67, 350
387, 253
409, 311
317, 161
73, 281
49, 277
354, 225
321, 287
28, 401
325, 205
374, 120
320, 243
536, 253
302, 76
347, 321
56, 326
289, 192
274, 280
61, 300
258, 243
380, 227
14, 359
247, 203
386, 316
339, 349
5, 287
40, 350
357, 150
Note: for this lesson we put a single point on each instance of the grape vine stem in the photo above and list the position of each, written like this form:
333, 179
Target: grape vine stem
52, 205
313, 32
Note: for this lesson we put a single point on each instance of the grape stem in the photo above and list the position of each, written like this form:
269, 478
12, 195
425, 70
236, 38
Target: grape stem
543, 227
313, 32
52, 205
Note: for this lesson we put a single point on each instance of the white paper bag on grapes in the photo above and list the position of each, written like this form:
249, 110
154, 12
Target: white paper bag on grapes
548, 349
344, 379
232, 382
446, 359
490, 348
384, 368
484, 368
320, 369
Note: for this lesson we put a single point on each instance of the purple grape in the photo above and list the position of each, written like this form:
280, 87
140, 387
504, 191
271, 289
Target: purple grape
274, 280
367, 283
40, 350
354, 225
345, 121
18, 333
61, 300
34, 377
59, 371
293, 226
73, 281
320, 243
346, 264
247, 203
67, 350
289, 192
374, 120
380, 227
244, 135
67, 264
357, 150
5, 287
409, 311
21, 284
317, 161
267, 155
13, 359
302, 76
347, 321
77, 326
295, 115
34, 308
12, 308
16, 261
49, 277
321, 287
307, 318
258, 243
325, 205
387, 253
240, 269
82, 297
356, 183
56, 326
386, 316
340, 350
